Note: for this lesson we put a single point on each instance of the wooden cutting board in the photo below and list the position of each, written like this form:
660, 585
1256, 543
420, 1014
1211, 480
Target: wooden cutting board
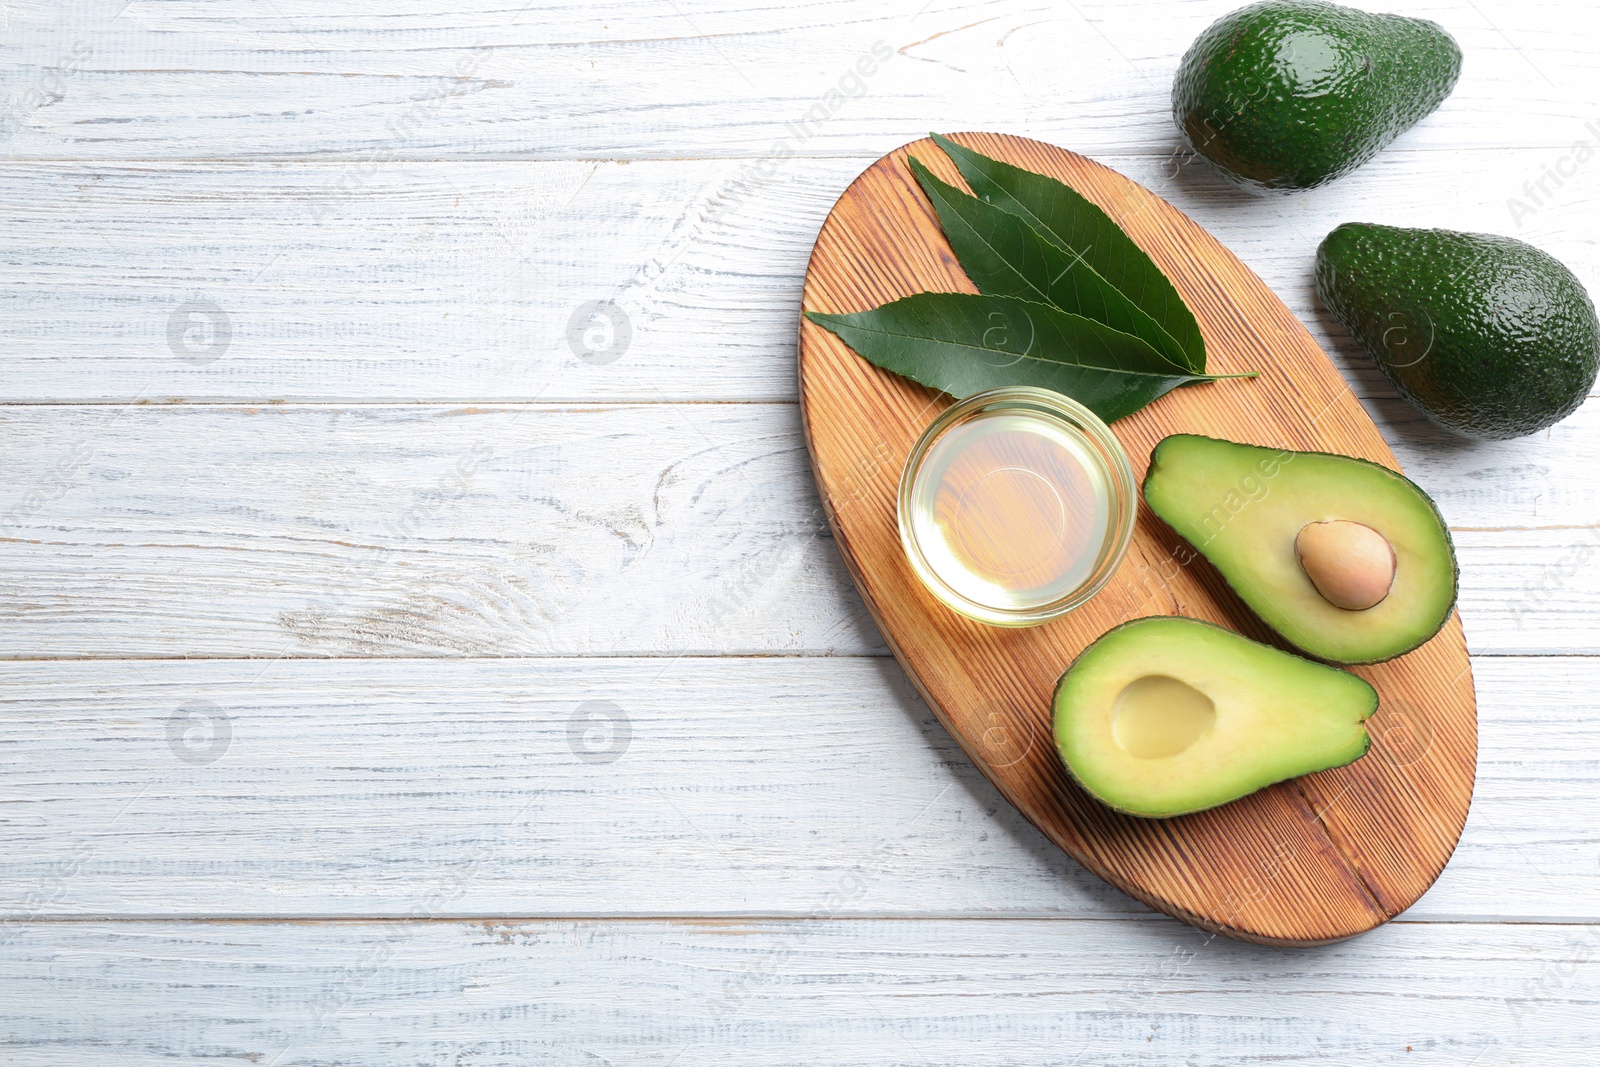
1312, 860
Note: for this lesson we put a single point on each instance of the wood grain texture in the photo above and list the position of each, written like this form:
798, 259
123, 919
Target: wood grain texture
425, 530
1348, 848
459, 280
390, 213
971, 993
207, 79
361, 787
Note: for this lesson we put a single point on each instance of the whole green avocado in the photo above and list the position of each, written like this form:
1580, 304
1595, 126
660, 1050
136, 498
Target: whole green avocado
1488, 336
1290, 94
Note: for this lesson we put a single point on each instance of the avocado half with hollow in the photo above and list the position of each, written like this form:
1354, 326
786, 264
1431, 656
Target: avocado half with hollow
1165, 716
1348, 560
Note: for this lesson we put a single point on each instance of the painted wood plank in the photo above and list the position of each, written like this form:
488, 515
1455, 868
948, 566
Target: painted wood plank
169, 530
137, 79
748, 994
461, 531
615, 787
484, 281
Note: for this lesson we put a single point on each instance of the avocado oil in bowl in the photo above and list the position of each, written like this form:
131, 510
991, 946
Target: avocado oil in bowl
1016, 506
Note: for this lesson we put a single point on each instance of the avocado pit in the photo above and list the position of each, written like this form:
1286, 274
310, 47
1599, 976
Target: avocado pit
1351, 564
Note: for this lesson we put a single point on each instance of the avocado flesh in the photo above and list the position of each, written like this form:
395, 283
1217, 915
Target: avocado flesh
1165, 716
1243, 506
1487, 336
1291, 94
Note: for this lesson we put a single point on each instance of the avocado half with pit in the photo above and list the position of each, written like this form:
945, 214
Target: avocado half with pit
1165, 716
1348, 560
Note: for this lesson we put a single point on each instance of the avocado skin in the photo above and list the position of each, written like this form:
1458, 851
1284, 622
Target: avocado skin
1291, 94
1488, 336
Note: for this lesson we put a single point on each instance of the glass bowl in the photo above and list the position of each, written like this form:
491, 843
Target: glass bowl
1016, 506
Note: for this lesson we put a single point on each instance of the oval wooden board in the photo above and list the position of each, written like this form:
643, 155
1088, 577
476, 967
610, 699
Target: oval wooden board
1312, 860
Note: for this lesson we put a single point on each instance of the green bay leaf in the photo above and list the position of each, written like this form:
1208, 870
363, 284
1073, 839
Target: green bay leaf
1005, 256
964, 343
1063, 216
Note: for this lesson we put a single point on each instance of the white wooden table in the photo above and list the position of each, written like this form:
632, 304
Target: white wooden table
421, 644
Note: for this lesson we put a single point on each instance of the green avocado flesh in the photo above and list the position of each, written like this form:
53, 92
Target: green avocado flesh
1290, 94
1165, 716
1488, 336
1243, 508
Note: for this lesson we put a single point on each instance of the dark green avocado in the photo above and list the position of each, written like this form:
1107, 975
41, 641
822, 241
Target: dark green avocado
1488, 336
1290, 94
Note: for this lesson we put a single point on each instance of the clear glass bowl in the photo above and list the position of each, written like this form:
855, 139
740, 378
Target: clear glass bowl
1016, 506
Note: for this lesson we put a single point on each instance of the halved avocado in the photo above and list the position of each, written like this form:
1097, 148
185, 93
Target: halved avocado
1284, 529
1165, 716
